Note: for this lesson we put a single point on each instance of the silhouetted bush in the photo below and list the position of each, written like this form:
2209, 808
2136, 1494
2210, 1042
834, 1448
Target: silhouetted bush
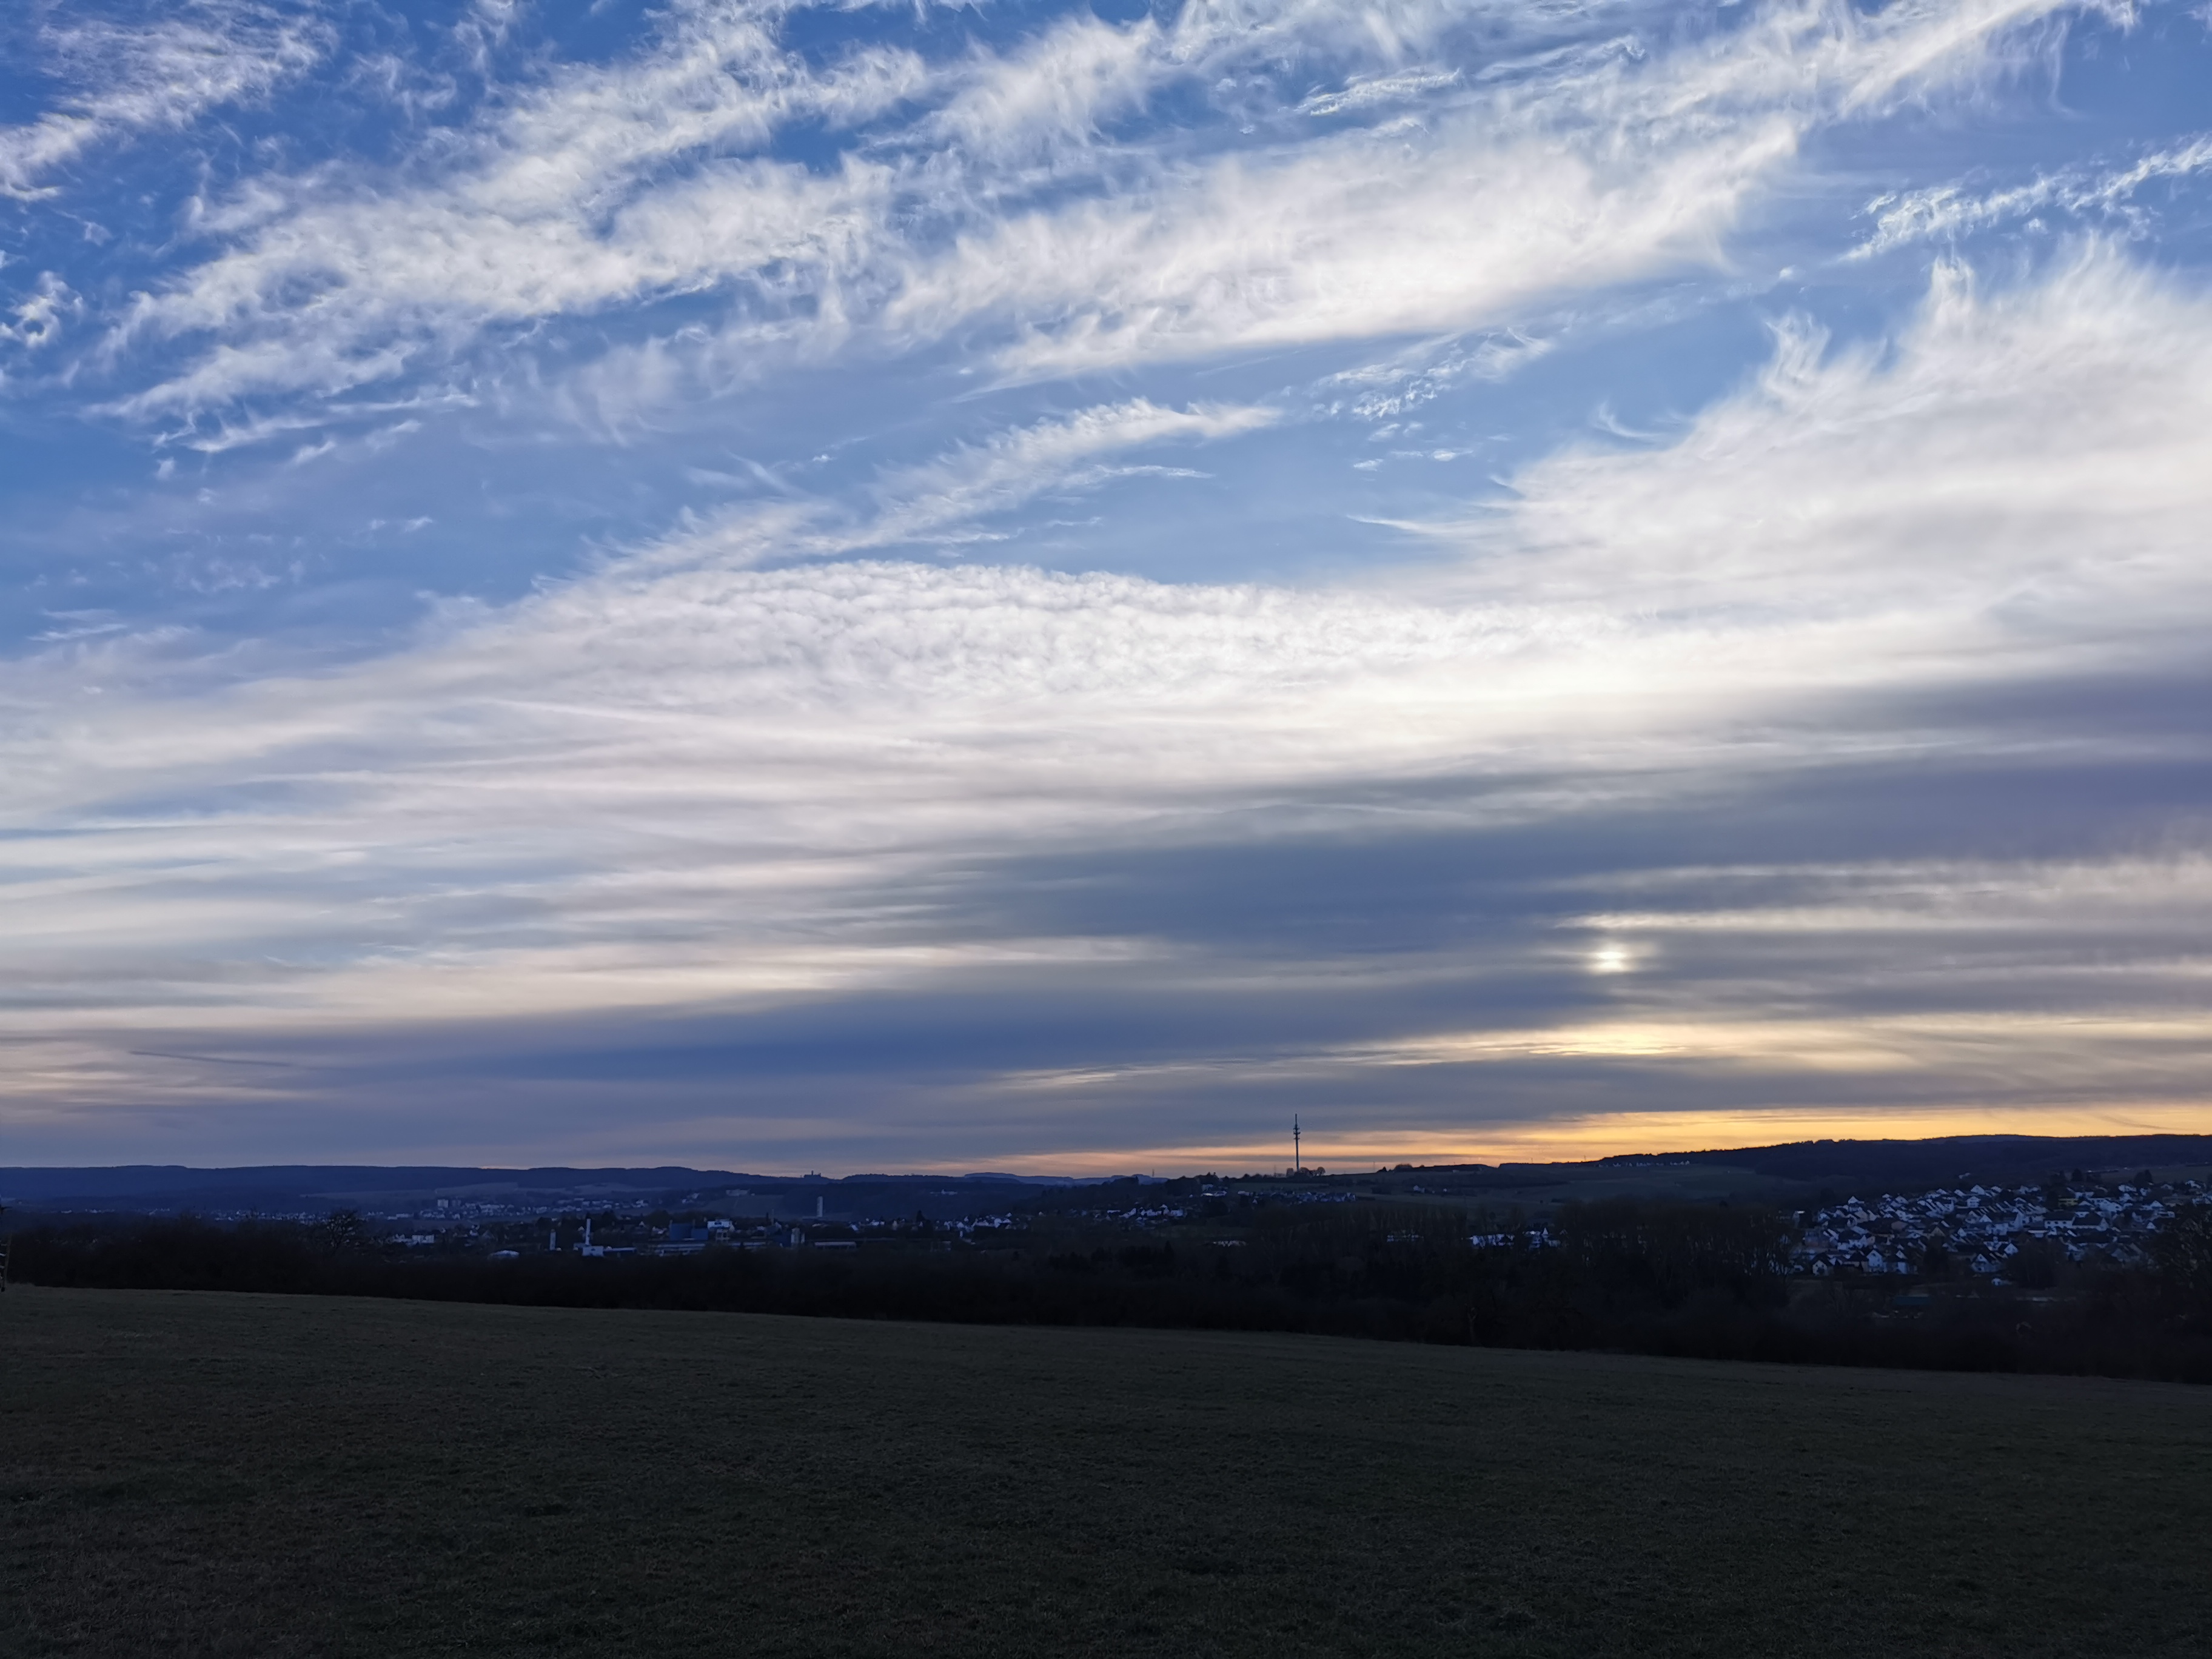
2183, 1254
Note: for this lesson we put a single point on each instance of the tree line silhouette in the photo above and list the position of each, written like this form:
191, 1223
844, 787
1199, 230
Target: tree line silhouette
1624, 1274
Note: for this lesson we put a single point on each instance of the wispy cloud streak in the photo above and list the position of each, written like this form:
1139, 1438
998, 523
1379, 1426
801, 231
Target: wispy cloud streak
153, 76
1947, 212
984, 193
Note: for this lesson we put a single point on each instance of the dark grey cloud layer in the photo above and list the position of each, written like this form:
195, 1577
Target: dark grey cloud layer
1307, 957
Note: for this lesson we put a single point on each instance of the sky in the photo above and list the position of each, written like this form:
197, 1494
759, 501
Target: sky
1043, 587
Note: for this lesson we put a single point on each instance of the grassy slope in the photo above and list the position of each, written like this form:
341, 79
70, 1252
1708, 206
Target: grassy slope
199, 1474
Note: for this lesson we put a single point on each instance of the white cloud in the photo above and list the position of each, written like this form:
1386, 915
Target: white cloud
1053, 454
1051, 95
1385, 391
1368, 92
1606, 170
982, 195
941, 499
39, 317
539, 212
2031, 463
154, 76
1948, 212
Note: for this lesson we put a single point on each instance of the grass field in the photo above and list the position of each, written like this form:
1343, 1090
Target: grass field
197, 1474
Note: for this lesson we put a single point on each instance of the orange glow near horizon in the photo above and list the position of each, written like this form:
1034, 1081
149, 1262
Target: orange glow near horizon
1610, 1133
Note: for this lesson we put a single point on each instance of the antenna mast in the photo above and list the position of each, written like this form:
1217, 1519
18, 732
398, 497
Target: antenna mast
1297, 1153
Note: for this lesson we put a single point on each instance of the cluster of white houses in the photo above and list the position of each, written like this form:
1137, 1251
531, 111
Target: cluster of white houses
1983, 1229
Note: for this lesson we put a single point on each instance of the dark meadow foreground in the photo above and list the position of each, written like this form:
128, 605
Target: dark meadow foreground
194, 1474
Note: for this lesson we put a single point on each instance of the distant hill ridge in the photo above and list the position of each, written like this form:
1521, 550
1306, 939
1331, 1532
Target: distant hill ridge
286, 1186
150, 1180
1992, 1159
2006, 1160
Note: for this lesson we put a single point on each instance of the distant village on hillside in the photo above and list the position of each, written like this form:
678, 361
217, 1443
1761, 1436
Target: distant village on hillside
1987, 1229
